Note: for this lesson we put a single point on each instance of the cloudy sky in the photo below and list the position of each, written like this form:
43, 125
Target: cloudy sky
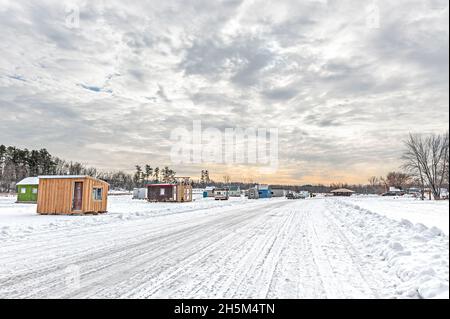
343, 81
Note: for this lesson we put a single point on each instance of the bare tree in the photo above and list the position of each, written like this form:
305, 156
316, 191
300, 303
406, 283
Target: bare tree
374, 183
226, 179
397, 179
413, 159
446, 164
384, 183
427, 158
438, 145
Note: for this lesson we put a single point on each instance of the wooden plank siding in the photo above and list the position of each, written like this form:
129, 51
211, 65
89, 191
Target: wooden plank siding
172, 193
55, 196
184, 193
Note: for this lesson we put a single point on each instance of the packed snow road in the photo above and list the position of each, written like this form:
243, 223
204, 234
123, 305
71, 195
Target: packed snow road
317, 248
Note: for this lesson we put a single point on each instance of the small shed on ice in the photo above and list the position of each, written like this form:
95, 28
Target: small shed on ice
71, 195
27, 190
342, 192
278, 192
234, 191
253, 193
264, 191
140, 193
209, 191
179, 191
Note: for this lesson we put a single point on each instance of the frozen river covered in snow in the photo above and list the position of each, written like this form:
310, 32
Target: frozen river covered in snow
314, 248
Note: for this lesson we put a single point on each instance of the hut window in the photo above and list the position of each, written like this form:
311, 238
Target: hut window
97, 193
162, 192
35, 190
23, 190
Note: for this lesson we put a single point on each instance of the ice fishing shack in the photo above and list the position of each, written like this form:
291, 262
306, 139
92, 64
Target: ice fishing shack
71, 195
27, 190
179, 190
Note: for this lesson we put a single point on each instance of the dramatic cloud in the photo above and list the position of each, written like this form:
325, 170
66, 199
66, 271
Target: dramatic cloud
106, 82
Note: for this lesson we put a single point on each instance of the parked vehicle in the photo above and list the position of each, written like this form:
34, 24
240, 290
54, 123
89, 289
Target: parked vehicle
393, 194
304, 194
221, 194
294, 195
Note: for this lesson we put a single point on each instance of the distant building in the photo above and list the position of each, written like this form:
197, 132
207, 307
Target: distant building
342, 192
264, 191
209, 191
27, 190
140, 193
234, 191
253, 193
260, 191
279, 192
178, 191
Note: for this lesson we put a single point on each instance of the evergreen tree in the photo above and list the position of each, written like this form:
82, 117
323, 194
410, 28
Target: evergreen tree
137, 179
148, 173
156, 174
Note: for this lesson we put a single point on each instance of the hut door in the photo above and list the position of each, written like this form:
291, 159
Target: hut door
78, 196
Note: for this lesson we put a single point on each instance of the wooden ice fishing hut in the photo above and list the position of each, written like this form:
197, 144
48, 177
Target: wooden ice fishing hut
179, 190
71, 195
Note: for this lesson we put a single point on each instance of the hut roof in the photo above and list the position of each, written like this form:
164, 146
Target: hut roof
64, 176
29, 181
161, 184
342, 190
71, 177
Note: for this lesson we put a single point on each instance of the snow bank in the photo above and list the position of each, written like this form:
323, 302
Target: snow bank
429, 213
415, 253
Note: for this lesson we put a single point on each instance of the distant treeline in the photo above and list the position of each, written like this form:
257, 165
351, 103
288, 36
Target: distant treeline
425, 166
16, 164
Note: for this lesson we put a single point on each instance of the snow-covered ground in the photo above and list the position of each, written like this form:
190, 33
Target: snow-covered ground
275, 248
429, 213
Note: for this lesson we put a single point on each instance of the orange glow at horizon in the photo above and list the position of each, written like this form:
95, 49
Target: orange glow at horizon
285, 176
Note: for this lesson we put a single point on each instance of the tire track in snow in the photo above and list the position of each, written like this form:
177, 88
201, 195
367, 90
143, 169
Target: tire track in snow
295, 248
194, 245
45, 277
244, 274
170, 275
295, 275
336, 262
241, 245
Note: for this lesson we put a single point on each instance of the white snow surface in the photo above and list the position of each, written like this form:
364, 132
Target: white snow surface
269, 248
430, 213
